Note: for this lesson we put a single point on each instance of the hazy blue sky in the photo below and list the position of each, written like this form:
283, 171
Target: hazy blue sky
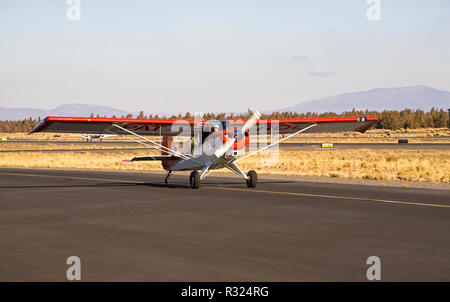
211, 55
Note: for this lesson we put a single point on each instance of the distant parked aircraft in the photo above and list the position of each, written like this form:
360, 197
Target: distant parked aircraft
90, 137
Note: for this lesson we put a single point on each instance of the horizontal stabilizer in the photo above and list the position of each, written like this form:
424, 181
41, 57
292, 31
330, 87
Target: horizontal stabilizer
151, 158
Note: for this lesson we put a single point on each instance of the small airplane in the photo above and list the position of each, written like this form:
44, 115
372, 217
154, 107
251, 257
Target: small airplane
211, 144
90, 137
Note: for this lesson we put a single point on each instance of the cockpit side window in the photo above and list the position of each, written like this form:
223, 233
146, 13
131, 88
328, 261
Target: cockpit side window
225, 125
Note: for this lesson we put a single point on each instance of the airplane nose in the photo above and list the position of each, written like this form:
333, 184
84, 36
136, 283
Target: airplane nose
241, 138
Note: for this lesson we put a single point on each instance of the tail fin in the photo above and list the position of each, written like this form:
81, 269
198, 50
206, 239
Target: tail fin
167, 159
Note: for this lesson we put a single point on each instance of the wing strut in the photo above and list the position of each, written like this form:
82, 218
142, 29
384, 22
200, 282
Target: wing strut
277, 142
161, 147
233, 167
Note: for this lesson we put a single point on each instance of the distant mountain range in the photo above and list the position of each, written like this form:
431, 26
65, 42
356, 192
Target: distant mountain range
413, 97
379, 99
63, 110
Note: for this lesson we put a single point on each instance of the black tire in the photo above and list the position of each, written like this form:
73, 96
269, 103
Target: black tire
194, 179
252, 179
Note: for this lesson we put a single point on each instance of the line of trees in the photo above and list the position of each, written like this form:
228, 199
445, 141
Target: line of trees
18, 126
388, 119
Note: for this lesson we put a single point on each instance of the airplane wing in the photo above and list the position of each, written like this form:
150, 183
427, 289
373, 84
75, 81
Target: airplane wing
106, 125
171, 127
324, 124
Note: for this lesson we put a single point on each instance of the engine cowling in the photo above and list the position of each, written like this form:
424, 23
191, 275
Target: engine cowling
242, 138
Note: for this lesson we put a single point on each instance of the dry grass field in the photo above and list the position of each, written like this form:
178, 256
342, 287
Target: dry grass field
405, 165
389, 164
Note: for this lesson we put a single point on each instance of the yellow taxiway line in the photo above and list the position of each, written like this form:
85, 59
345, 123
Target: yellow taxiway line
336, 197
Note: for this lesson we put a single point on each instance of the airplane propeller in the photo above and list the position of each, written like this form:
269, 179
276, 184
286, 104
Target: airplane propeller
250, 123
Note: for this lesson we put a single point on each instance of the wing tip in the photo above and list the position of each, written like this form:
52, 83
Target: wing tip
39, 126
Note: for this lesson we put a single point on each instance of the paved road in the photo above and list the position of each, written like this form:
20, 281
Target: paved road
284, 146
92, 149
372, 146
130, 226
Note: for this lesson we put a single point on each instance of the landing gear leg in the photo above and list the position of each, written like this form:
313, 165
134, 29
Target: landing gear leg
194, 179
251, 178
166, 179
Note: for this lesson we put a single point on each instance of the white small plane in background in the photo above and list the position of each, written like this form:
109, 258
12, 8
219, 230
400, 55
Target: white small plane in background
90, 137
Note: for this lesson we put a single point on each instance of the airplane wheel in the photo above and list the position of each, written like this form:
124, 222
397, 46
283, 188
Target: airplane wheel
252, 179
194, 179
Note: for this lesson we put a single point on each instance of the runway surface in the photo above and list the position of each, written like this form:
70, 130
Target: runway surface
92, 149
283, 146
371, 146
131, 227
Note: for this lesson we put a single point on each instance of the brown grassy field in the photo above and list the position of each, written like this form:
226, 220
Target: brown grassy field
406, 165
416, 165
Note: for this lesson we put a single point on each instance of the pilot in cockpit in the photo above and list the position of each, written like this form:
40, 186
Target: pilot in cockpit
214, 129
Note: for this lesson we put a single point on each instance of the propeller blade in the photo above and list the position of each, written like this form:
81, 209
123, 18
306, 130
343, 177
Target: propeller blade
224, 148
251, 121
230, 141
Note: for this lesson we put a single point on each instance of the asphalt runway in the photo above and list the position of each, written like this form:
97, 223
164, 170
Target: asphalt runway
131, 227
371, 146
128, 142
89, 146
92, 149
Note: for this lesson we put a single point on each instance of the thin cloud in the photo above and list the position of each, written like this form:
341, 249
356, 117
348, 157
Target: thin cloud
298, 58
321, 74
